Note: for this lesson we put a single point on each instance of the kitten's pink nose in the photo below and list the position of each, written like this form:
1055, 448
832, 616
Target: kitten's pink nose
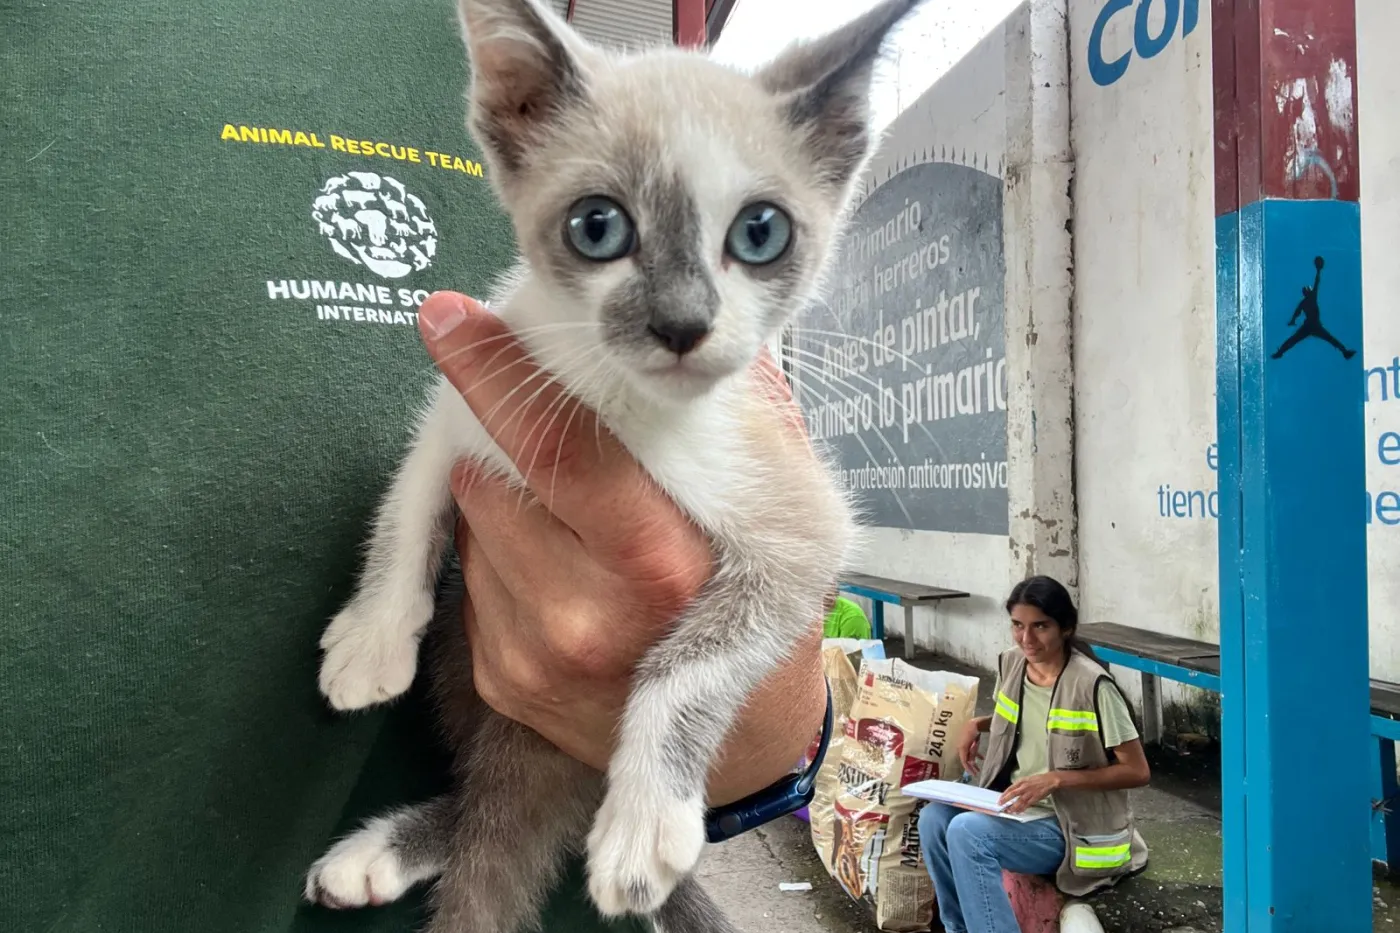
679, 336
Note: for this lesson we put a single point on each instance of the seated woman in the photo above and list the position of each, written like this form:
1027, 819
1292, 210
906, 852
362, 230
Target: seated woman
1063, 749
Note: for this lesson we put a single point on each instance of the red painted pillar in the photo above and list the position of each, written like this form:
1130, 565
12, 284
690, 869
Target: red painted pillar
688, 17
1285, 101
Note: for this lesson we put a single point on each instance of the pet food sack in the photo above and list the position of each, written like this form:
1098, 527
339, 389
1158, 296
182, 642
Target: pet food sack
839, 659
902, 727
865, 647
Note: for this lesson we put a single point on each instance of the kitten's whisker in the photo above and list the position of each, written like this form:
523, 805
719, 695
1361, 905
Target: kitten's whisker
899, 500
559, 451
865, 340
584, 385
581, 386
816, 371
506, 338
540, 372
555, 377
843, 334
489, 373
491, 412
519, 412
856, 391
552, 412
520, 333
552, 378
558, 403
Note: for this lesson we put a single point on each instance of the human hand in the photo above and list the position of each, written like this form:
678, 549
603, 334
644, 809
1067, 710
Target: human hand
572, 579
968, 743
1030, 791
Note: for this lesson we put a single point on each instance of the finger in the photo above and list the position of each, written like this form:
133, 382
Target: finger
520, 536
774, 385
505, 663
459, 538
512, 526
567, 459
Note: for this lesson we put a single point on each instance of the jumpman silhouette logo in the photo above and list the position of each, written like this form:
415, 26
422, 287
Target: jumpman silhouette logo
1312, 319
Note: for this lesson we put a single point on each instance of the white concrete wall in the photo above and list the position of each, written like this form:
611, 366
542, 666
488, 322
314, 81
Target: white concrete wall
1002, 109
1378, 22
961, 121
964, 112
1144, 327
1144, 322
1138, 345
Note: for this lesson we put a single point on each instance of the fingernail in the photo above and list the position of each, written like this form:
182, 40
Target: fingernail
442, 317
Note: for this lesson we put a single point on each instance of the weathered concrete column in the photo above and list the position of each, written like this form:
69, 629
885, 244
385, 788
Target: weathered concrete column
1039, 287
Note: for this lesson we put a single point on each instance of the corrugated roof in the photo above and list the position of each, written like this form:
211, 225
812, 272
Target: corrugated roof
624, 23
630, 22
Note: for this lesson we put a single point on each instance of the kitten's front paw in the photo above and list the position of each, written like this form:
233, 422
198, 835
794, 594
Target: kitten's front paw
640, 846
359, 870
367, 660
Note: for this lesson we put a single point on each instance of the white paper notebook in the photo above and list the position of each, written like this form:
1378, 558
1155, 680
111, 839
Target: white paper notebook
968, 797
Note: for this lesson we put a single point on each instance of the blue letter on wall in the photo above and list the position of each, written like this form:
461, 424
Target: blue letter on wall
1105, 73
1147, 45
1190, 16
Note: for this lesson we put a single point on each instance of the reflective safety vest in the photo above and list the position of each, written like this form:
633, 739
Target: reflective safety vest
1102, 843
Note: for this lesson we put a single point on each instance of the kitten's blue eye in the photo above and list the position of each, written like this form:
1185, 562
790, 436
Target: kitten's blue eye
599, 229
759, 235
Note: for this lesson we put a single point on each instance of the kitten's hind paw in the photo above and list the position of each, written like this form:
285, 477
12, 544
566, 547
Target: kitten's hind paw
360, 870
367, 660
639, 849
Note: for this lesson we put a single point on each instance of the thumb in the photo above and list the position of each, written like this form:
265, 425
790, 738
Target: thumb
482, 359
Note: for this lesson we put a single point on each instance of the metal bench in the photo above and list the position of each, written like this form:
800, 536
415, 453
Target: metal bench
881, 590
1385, 726
1155, 656
1197, 663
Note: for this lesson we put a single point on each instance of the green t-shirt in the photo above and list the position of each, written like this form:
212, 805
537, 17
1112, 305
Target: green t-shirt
1032, 757
219, 221
845, 620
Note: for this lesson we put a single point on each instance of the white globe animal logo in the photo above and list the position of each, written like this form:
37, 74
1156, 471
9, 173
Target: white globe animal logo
373, 221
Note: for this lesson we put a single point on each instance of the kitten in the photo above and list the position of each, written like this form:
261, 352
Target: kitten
672, 215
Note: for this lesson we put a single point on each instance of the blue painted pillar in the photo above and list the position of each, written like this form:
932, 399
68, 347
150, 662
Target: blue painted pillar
1296, 741
1385, 822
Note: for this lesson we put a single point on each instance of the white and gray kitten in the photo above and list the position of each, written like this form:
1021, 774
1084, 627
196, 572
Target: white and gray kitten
672, 215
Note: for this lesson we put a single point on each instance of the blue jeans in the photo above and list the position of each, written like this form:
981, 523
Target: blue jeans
965, 853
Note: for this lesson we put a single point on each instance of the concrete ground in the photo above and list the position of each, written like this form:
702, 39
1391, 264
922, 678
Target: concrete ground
1180, 892
743, 875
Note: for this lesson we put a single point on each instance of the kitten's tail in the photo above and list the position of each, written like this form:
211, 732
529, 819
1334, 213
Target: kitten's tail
690, 909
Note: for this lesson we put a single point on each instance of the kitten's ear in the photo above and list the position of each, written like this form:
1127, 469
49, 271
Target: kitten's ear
825, 87
527, 65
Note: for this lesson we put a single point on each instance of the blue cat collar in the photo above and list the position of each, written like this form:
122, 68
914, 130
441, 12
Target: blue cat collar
785, 797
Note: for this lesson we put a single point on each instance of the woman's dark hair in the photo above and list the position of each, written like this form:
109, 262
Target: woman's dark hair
1050, 596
